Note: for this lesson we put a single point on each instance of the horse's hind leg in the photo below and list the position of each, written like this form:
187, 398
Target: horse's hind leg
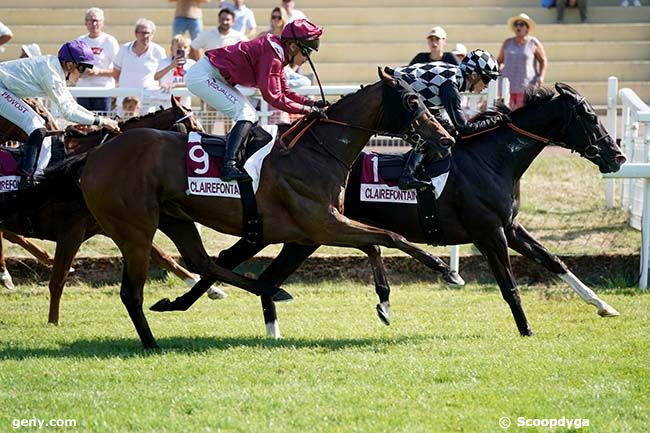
41, 255
5, 276
521, 241
66, 250
381, 282
495, 248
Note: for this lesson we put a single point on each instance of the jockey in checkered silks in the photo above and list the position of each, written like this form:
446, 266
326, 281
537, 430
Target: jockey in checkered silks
439, 85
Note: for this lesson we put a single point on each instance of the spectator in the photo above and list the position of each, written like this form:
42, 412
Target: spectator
130, 106
244, 17
5, 36
436, 39
45, 76
171, 71
30, 50
137, 61
522, 59
105, 48
580, 4
292, 12
279, 19
188, 17
460, 51
222, 36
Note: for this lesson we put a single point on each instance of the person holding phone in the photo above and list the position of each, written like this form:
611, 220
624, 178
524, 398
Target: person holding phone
171, 71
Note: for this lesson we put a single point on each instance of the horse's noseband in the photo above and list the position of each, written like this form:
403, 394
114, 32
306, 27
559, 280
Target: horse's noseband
591, 151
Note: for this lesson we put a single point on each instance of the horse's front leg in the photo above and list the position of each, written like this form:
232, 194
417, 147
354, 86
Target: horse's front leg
521, 241
382, 288
494, 247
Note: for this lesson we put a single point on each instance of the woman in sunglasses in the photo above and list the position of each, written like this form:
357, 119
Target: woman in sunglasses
45, 76
279, 19
522, 59
439, 85
258, 63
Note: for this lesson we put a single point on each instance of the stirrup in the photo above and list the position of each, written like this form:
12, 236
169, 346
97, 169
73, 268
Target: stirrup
411, 182
230, 172
26, 181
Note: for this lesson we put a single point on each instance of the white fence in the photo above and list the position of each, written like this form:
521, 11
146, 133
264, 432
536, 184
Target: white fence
635, 174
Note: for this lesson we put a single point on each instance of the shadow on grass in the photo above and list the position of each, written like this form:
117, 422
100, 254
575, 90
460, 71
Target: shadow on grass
131, 348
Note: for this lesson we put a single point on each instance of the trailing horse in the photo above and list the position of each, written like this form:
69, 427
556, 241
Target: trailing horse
300, 196
480, 201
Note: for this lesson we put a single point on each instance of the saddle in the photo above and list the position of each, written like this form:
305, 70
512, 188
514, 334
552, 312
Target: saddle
391, 166
215, 145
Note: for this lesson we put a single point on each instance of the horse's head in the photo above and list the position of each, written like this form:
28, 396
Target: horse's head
185, 117
405, 113
584, 133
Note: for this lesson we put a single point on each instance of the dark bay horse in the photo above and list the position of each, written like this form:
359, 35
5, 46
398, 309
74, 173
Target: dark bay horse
65, 219
481, 200
300, 195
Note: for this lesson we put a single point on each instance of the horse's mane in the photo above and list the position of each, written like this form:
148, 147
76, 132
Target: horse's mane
134, 119
532, 98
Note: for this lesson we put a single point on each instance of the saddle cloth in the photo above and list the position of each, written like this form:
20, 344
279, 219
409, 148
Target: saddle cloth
380, 172
204, 158
9, 159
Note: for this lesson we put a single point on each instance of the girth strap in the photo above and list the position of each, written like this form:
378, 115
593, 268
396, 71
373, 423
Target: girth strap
252, 227
428, 215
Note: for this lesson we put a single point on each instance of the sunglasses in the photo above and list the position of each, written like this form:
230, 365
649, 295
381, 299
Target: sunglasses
81, 67
276, 17
520, 24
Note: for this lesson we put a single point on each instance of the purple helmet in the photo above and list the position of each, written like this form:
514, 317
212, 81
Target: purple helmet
78, 52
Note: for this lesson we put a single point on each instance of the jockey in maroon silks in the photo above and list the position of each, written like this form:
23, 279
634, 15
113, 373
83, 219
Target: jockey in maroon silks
258, 63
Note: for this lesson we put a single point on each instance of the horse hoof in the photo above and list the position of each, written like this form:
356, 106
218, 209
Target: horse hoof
7, 281
528, 333
282, 295
162, 305
454, 278
383, 312
608, 311
216, 293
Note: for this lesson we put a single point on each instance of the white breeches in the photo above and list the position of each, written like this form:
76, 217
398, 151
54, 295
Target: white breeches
205, 81
18, 112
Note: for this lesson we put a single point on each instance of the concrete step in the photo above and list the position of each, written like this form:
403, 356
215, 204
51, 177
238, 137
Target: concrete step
333, 16
361, 72
25, 33
304, 5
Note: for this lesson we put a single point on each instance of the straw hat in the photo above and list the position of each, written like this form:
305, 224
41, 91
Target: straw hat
521, 17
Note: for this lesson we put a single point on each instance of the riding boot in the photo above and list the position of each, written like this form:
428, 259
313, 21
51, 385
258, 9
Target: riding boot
236, 138
31, 149
407, 179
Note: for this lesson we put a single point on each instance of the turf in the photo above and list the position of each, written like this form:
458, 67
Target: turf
452, 361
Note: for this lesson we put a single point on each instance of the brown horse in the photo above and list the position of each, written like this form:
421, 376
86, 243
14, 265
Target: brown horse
300, 195
68, 222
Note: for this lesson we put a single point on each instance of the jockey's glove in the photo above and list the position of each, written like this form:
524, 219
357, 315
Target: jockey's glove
503, 118
322, 103
317, 113
109, 124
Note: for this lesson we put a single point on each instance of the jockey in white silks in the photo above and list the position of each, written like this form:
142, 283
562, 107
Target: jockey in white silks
45, 76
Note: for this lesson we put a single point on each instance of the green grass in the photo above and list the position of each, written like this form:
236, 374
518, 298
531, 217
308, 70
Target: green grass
562, 205
452, 361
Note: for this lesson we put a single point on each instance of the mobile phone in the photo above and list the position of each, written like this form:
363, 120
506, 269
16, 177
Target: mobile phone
180, 53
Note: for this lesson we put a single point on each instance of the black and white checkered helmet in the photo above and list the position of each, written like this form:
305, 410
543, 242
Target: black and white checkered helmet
481, 62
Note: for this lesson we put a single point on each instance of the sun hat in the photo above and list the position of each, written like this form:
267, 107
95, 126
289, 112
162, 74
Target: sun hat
437, 32
459, 49
521, 17
31, 50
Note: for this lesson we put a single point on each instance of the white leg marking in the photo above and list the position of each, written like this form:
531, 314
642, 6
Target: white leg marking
213, 292
273, 330
588, 295
5, 277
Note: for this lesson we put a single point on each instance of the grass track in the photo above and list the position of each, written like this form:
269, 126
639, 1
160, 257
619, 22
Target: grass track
452, 361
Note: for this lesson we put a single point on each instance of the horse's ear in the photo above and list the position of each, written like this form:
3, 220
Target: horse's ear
174, 101
387, 79
565, 89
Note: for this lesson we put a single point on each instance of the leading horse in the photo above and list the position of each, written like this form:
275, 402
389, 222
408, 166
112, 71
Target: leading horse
480, 201
300, 196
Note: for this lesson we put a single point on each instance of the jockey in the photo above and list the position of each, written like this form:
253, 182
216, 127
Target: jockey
439, 85
258, 63
40, 76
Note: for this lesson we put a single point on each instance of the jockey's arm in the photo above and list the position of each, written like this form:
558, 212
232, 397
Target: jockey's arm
275, 91
451, 101
58, 92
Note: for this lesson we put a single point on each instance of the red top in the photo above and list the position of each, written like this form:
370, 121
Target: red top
259, 63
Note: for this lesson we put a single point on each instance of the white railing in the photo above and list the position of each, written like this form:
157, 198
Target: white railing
635, 174
218, 123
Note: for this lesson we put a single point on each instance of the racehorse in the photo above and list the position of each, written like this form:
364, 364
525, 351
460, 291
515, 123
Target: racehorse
44, 214
480, 201
300, 196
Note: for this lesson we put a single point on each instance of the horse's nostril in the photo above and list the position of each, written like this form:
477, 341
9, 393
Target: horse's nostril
447, 141
620, 159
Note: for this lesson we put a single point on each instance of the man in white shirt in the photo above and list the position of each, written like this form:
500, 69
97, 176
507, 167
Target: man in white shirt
220, 37
244, 17
137, 61
105, 48
294, 14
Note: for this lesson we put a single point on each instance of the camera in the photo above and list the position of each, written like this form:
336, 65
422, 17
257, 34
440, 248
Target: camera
180, 53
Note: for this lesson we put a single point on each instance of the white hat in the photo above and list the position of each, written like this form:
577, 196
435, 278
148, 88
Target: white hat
459, 49
32, 50
437, 32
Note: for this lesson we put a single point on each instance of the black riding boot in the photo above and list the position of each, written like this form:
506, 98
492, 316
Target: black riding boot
407, 179
236, 138
31, 149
